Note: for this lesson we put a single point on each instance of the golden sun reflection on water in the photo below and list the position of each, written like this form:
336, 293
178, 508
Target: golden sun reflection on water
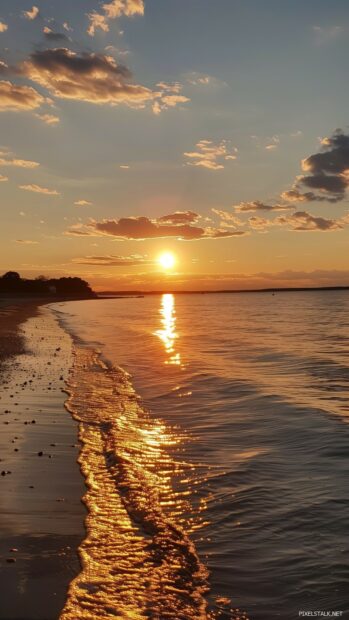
168, 333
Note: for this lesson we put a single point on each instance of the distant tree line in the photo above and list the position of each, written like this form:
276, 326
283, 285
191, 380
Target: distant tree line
11, 283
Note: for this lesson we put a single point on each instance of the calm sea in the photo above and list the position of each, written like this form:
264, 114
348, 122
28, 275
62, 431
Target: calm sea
226, 482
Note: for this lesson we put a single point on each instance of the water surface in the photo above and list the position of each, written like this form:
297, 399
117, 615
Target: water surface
240, 440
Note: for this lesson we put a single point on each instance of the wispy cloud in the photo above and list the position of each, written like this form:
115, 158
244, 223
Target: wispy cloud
27, 241
32, 14
3, 179
169, 96
49, 119
210, 155
3, 27
19, 98
82, 203
8, 160
257, 205
179, 217
113, 10
327, 34
39, 190
304, 221
112, 260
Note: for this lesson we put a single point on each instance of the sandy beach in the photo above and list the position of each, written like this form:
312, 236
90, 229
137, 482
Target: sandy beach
41, 513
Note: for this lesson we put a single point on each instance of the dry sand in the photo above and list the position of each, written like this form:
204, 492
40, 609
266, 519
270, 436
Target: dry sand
41, 513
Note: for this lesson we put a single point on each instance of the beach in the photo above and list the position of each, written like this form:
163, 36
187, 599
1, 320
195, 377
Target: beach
41, 513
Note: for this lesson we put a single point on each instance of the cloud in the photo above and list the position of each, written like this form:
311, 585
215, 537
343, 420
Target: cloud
168, 101
179, 217
94, 78
3, 27
328, 170
90, 77
50, 35
304, 221
211, 156
18, 98
113, 10
169, 96
200, 79
82, 203
259, 223
17, 163
141, 228
27, 241
39, 190
300, 221
195, 78
49, 119
327, 34
32, 14
294, 195
228, 217
113, 260
3, 179
257, 205
273, 143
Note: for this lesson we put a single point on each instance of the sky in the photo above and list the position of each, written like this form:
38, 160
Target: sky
217, 131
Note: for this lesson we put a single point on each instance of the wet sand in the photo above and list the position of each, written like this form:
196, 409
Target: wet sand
41, 513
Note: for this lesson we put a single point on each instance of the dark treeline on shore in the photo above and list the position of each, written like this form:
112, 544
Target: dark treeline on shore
12, 285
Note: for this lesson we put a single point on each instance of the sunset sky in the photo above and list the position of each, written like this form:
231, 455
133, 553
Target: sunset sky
213, 130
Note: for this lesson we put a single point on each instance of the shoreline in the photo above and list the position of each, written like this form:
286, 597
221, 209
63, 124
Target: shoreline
41, 511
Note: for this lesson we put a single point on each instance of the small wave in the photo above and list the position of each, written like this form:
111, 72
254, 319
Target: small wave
137, 559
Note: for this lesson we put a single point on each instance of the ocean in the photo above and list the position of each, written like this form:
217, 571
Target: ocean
214, 432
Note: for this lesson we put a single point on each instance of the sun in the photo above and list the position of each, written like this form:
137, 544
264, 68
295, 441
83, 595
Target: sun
167, 260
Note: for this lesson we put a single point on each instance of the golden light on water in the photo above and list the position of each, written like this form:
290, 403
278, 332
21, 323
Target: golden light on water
168, 333
137, 560
167, 260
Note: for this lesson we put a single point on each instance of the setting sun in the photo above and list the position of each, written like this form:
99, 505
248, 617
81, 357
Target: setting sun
167, 260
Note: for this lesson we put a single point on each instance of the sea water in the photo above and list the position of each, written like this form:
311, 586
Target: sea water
214, 433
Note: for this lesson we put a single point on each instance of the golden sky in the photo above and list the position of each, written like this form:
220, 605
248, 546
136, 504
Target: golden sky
207, 131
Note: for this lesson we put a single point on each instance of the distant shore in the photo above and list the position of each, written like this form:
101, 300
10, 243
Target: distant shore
289, 289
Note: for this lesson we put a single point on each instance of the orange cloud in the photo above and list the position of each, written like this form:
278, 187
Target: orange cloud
211, 156
95, 78
18, 163
141, 228
39, 190
113, 10
19, 98
82, 203
32, 14
49, 119
179, 217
